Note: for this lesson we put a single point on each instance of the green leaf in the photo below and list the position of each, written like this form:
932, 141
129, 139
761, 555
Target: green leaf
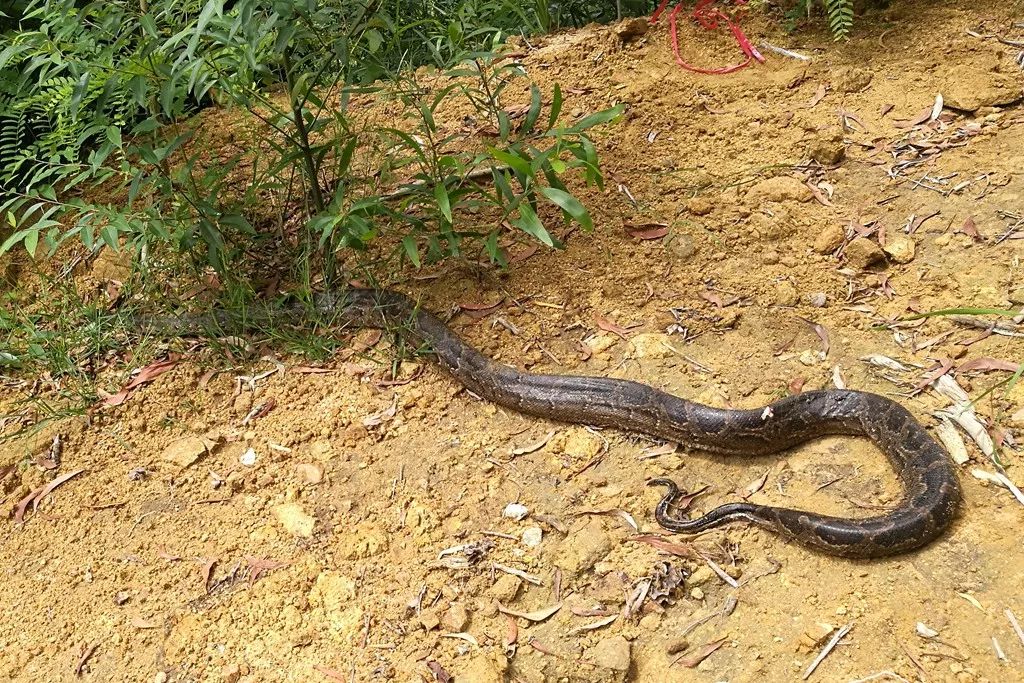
517, 163
534, 112
31, 241
78, 93
443, 201
570, 205
556, 106
411, 250
528, 222
595, 119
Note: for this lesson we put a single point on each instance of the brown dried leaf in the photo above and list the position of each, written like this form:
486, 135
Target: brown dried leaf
147, 374
365, 340
937, 371
677, 549
819, 95
609, 326
536, 446
646, 231
754, 486
206, 570
440, 675
988, 365
594, 625
511, 632
970, 229
919, 118
86, 654
258, 566
822, 335
536, 615
614, 512
701, 653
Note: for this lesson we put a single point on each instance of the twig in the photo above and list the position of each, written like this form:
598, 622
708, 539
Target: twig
828, 648
1015, 624
784, 52
530, 578
881, 674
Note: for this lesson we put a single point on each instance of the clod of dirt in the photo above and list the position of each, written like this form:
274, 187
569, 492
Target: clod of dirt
786, 294
455, 619
851, 79
680, 247
862, 253
611, 653
900, 249
186, 451
578, 443
829, 239
651, 345
631, 29
505, 588
968, 90
780, 189
366, 540
294, 519
699, 206
482, 667
827, 151
581, 551
532, 536
309, 473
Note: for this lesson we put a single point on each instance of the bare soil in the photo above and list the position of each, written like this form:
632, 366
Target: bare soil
355, 531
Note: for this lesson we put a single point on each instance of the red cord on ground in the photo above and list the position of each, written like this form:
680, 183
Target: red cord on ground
708, 18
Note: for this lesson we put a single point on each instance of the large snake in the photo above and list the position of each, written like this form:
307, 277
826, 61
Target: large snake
931, 489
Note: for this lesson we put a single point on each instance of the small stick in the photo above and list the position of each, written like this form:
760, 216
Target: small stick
1016, 625
721, 573
784, 52
1000, 655
518, 572
828, 648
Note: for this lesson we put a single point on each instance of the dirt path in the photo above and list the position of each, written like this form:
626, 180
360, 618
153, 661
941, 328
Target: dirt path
347, 533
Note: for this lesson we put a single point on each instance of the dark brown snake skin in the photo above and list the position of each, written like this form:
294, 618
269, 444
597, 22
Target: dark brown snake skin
931, 488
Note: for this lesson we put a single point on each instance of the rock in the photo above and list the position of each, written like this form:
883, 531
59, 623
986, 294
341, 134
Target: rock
186, 451
829, 239
900, 248
851, 79
701, 575
232, 672
455, 619
631, 29
516, 511
532, 536
601, 342
786, 294
651, 345
680, 247
611, 653
862, 252
780, 189
969, 89
697, 593
505, 588
309, 473
581, 551
294, 519
699, 206
429, 620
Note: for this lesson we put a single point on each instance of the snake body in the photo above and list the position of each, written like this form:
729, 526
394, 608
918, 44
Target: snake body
931, 489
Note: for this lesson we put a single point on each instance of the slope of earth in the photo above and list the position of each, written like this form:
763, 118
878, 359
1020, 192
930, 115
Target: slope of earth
761, 234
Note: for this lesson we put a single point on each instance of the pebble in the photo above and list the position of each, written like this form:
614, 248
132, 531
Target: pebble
786, 294
862, 253
900, 249
829, 239
516, 511
818, 299
676, 645
697, 593
532, 536
455, 619
248, 458
699, 206
680, 247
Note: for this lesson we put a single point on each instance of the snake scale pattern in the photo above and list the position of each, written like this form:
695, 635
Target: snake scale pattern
931, 497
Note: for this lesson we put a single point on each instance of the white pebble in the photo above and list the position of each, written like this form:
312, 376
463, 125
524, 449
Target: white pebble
532, 536
248, 458
515, 511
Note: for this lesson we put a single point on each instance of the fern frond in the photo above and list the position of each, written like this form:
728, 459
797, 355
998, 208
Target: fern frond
840, 17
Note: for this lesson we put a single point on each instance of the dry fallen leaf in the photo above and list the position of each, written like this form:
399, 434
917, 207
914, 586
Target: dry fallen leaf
819, 95
701, 653
38, 494
609, 326
594, 625
988, 365
332, 674
536, 615
258, 566
677, 549
146, 374
970, 228
646, 231
139, 622
206, 570
440, 675
536, 446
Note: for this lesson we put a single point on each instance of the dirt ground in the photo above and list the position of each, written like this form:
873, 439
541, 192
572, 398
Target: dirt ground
359, 530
